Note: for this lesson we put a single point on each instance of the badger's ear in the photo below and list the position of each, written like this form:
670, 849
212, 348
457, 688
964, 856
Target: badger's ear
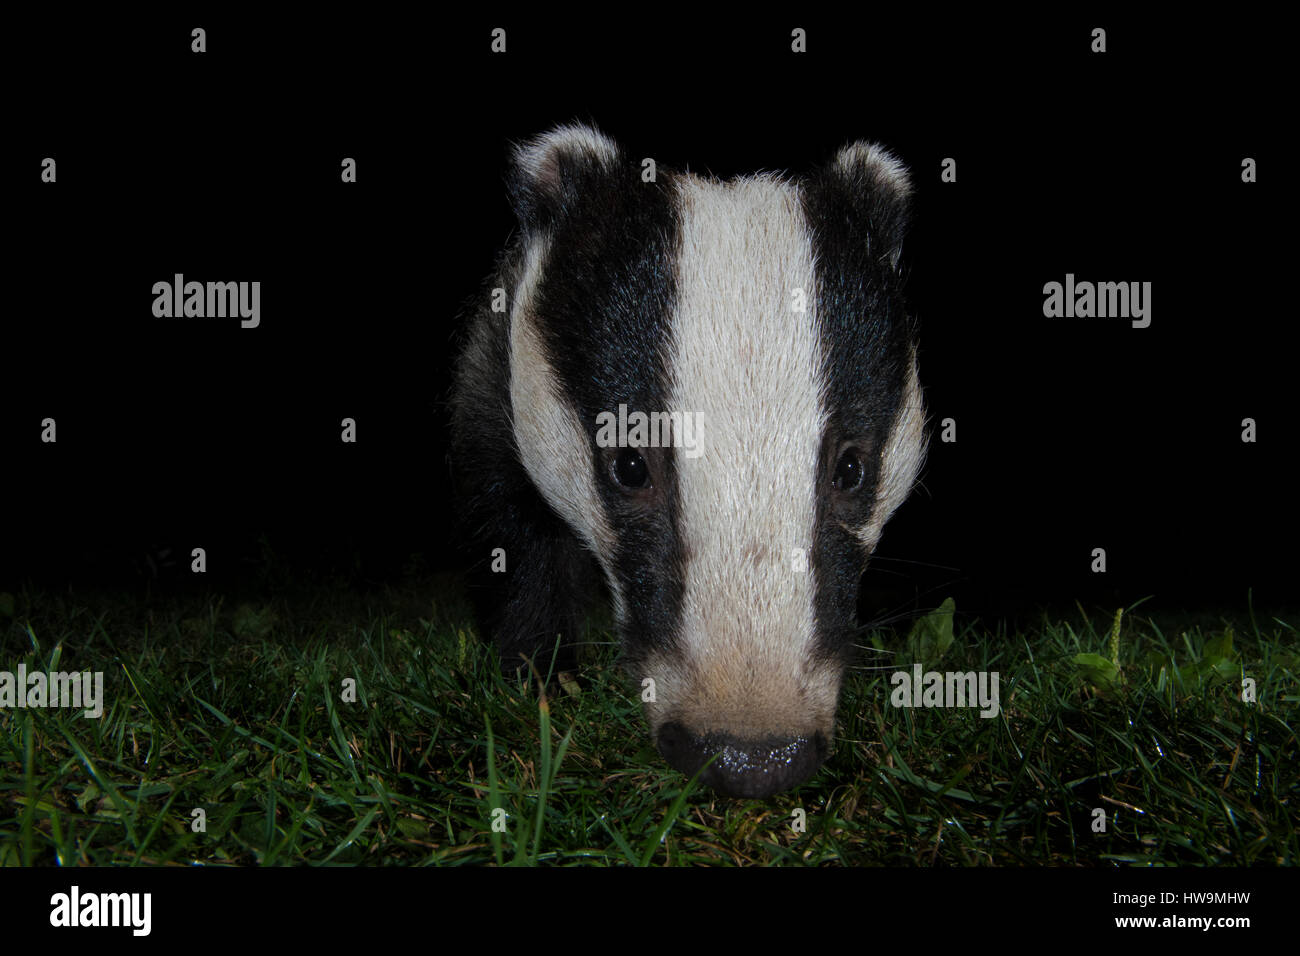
554, 173
878, 190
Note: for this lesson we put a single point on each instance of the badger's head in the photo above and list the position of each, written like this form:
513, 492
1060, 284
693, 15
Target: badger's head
765, 316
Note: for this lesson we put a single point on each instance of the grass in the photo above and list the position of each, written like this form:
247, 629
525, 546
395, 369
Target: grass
335, 728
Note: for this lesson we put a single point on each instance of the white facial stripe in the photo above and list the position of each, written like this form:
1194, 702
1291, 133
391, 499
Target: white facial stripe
746, 361
904, 452
552, 443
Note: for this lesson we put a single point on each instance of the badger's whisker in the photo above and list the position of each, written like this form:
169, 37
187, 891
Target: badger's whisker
868, 649
860, 668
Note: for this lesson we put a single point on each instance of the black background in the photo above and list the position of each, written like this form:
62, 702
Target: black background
224, 166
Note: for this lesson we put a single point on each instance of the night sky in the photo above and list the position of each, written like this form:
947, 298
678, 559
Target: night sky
1072, 434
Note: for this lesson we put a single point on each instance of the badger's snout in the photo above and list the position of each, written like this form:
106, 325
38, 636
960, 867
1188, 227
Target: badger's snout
756, 719
743, 768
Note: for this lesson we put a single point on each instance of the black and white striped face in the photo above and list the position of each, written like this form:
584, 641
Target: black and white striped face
765, 313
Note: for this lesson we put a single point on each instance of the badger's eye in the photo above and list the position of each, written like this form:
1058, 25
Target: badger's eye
630, 469
848, 471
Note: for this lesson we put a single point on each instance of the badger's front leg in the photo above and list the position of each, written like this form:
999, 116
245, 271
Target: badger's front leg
530, 578
543, 594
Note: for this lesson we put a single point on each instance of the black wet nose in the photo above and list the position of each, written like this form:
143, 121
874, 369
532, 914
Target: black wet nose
744, 768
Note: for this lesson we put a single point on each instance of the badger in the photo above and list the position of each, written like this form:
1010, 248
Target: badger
768, 312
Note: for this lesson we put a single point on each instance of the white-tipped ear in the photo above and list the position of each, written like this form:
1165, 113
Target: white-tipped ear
879, 190
542, 158
876, 164
559, 170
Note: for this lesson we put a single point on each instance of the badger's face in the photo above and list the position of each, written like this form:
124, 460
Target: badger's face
765, 316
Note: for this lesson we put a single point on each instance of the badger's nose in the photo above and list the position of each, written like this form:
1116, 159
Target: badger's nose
744, 768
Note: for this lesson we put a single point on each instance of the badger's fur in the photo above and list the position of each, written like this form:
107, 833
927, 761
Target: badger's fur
771, 309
